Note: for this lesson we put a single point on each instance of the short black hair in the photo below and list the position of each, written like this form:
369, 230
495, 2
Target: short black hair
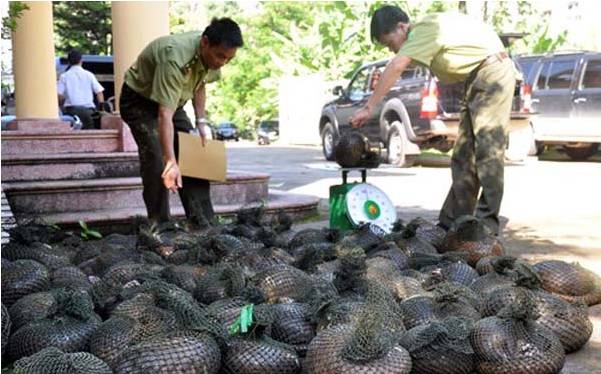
224, 31
74, 57
385, 19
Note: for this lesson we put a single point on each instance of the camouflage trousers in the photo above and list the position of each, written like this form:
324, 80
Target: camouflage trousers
479, 153
141, 114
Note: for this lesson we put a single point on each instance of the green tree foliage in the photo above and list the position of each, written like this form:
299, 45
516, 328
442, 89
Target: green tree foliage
9, 23
85, 25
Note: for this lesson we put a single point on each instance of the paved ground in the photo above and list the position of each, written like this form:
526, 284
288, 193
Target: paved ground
552, 205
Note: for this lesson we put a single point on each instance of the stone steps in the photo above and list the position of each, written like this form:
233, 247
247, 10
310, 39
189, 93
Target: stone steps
63, 166
297, 206
65, 196
47, 143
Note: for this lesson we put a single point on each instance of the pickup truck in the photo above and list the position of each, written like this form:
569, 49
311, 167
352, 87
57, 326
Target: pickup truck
419, 112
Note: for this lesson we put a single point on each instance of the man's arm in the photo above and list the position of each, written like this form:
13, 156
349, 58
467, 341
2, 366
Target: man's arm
198, 102
100, 97
390, 75
172, 178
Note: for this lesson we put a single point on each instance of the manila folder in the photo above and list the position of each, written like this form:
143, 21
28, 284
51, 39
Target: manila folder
208, 162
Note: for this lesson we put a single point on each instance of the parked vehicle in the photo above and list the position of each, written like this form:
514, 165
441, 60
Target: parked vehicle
267, 132
566, 92
227, 130
418, 112
101, 66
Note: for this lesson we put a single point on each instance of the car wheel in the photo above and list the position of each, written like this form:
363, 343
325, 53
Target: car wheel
396, 153
581, 151
327, 141
237, 139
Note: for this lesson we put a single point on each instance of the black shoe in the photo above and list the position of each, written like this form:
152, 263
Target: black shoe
443, 226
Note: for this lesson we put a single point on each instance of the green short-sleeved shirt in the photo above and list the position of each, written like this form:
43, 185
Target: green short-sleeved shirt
452, 45
169, 70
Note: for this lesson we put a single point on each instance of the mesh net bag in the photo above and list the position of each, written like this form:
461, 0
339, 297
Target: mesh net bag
70, 276
282, 282
367, 237
468, 234
308, 256
385, 271
459, 272
115, 335
22, 277
418, 310
220, 281
226, 311
570, 282
53, 361
324, 355
512, 342
339, 312
569, 322
428, 231
34, 231
183, 276
307, 236
6, 325
259, 356
32, 307
501, 276
349, 275
350, 149
455, 299
180, 351
292, 325
391, 251
441, 347
66, 333
42, 253
265, 258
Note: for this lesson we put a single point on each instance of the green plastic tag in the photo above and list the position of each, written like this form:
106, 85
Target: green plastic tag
244, 321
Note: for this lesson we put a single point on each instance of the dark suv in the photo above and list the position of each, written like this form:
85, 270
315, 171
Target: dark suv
566, 91
101, 66
418, 112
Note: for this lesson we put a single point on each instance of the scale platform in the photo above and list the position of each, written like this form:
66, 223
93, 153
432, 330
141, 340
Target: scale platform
354, 204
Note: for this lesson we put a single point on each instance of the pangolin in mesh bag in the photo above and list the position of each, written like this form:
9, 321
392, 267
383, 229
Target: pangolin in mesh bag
441, 347
501, 276
259, 356
45, 254
22, 277
338, 312
469, 234
282, 282
385, 271
350, 149
411, 243
35, 306
370, 345
183, 276
53, 361
447, 300
6, 325
308, 256
307, 236
570, 282
292, 325
176, 352
35, 232
70, 276
69, 329
570, 323
428, 231
122, 331
349, 276
264, 258
512, 342
219, 281
367, 237
391, 251
456, 272
164, 238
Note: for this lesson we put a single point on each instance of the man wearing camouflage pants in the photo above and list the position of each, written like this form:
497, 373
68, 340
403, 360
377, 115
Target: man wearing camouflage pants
170, 71
457, 48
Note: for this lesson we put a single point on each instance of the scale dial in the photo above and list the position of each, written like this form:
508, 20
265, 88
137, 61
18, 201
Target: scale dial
366, 203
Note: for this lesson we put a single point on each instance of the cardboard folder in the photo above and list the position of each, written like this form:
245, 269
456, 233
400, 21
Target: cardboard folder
208, 162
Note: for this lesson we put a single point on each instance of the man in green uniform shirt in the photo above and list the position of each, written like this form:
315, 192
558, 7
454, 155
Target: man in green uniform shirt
170, 71
456, 48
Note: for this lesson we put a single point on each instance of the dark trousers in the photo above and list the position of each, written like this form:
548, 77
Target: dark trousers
86, 115
141, 114
477, 164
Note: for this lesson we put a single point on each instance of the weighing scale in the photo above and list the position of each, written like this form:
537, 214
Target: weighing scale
354, 204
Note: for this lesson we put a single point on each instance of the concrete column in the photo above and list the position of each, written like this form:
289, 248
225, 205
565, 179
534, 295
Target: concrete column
135, 24
33, 63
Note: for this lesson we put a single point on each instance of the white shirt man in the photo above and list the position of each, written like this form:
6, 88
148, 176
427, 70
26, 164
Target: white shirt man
77, 86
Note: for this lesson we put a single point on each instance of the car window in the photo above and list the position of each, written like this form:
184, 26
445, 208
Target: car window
560, 74
541, 82
592, 74
527, 66
358, 86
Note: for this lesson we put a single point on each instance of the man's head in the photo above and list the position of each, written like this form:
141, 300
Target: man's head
74, 57
219, 42
390, 27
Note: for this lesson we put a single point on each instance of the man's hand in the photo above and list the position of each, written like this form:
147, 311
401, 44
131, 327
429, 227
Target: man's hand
201, 132
360, 116
172, 177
